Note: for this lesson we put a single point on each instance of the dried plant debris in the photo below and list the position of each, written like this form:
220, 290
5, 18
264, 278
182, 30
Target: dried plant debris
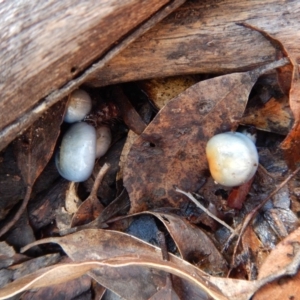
274, 116
192, 243
171, 150
290, 145
149, 212
286, 287
161, 91
34, 149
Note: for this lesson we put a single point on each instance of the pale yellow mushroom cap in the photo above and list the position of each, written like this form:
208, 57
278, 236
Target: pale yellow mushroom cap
232, 158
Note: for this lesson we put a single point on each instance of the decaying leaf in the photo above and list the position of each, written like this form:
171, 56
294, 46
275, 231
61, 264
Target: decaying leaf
121, 257
274, 116
117, 257
76, 288
102, 245
41, 212
121, 250
192, 243
87, 212
91, 208
171, 150
34, 149
12, 185
291, 143
169, 153
31, 265
131, 137
251, 242
131, 118
162, 90
55, 275
279, 38
167, 292
279, 259
72, 201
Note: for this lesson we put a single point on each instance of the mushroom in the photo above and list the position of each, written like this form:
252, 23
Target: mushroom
232, 158
76, 157
103, 140
79, 105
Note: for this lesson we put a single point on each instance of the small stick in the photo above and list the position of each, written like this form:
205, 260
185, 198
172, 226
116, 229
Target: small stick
99, 179
191, 197
163, 245
20, 211
93, 197
254, 212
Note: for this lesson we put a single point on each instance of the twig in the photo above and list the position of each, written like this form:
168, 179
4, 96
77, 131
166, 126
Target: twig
99, 179
130, 116
92, 197
29, 179
163, 245
191, 197
254, 212
20, 211
264, 171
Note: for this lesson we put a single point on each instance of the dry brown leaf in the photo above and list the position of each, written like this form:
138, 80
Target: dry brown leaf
284, 75
42, 278
166, 293
72, 201
284, 288
72, 289
102, 245
162, 90
171, 150
131, 137
65, 272
123, 257
35, 147
291, 144
275, 116
279, 38
88, 211
251, 241
91, 208
224, 288
98, 290
135, 256
29, 266
130, 116
192, 243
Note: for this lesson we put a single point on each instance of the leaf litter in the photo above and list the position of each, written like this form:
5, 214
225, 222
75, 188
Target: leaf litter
169, 154
171, 150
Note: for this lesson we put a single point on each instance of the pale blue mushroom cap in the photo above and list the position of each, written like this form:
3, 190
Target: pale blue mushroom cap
76, 157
